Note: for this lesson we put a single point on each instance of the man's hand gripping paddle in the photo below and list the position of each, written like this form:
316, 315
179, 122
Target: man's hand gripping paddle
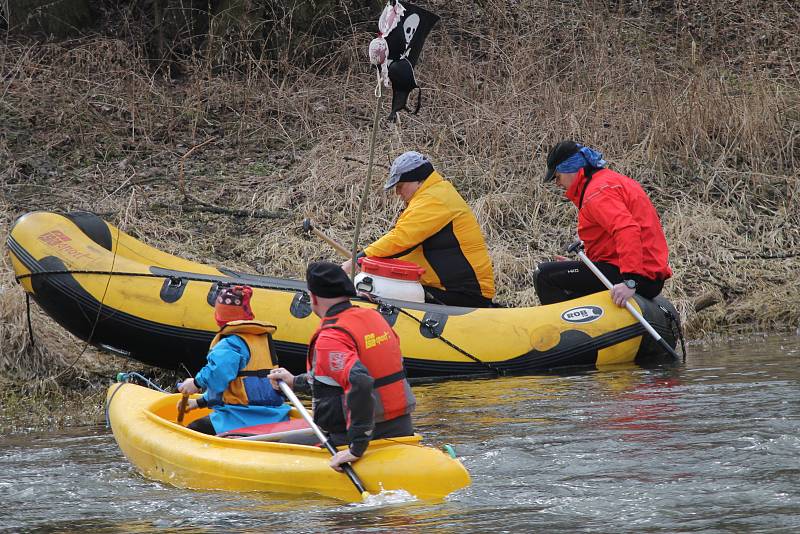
577, 248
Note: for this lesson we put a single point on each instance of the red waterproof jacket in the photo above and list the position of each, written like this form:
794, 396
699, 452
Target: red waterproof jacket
619, 225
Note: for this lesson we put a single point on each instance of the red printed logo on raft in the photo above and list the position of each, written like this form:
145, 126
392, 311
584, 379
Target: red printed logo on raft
55, 237
61, 241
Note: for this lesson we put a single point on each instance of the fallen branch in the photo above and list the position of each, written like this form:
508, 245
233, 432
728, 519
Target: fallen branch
256, 214
195, 204
706, 301
768, 256
356, 160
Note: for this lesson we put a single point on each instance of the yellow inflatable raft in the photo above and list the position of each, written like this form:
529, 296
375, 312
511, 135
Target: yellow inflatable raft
103, 285
143, 422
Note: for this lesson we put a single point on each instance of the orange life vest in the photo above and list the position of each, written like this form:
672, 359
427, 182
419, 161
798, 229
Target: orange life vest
251, 386
379, 350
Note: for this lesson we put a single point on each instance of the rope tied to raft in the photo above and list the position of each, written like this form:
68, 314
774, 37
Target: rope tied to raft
430, 325
28, 312
122, 378
675, 328
96, 319
175, 280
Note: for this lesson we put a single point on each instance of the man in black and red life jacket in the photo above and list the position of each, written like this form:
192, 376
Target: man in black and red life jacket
355, 369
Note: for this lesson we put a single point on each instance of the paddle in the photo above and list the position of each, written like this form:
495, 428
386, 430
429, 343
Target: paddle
348, 469
577, 247
182, 408
308, 226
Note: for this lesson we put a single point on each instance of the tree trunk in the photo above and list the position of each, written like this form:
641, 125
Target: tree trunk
59, 18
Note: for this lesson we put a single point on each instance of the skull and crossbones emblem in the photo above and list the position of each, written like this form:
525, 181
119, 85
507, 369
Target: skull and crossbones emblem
410, 27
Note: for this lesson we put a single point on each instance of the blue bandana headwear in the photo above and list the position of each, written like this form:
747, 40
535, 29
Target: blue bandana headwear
585, 157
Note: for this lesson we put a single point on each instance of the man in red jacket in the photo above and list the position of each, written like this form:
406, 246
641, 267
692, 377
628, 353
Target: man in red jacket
355, 369
618, 225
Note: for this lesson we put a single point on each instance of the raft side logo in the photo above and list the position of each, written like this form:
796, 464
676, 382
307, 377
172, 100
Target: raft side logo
62, 242
582, 314
54, 237
371, 340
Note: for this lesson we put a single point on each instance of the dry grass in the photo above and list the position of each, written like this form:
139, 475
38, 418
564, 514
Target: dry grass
710, 129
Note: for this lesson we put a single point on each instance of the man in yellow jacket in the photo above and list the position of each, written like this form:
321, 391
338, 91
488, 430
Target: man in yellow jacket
437, 231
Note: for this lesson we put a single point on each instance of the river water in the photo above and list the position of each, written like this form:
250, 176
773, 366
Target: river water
709, 446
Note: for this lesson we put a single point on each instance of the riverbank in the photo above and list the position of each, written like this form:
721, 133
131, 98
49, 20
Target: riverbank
223, 167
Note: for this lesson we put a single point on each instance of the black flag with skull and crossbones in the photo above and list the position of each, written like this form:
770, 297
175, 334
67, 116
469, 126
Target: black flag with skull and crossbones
404, 28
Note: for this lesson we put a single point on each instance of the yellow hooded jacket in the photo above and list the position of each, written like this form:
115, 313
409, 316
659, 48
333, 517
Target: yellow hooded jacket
439, 232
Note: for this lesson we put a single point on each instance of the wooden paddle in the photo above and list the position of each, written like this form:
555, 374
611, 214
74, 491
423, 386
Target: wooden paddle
348, 469
577, 248
182, 408
309, 227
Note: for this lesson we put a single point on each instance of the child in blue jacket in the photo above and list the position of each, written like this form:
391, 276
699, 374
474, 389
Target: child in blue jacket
235, 378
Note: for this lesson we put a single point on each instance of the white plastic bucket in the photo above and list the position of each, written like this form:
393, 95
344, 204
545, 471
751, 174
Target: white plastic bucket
384, 287
390, 278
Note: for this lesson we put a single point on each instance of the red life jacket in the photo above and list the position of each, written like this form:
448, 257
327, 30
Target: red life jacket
251, 386
379, 350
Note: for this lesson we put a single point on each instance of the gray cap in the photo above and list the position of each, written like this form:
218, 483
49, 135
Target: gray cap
405, 162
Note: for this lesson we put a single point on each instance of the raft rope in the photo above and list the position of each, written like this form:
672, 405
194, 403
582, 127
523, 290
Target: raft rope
175, 278
675, 328
28, 311
429, 324
97, 317
122, 378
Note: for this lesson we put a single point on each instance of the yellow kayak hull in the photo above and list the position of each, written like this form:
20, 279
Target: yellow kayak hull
143, 422
158, 308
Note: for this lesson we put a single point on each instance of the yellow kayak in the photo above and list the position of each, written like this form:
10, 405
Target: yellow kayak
143, 422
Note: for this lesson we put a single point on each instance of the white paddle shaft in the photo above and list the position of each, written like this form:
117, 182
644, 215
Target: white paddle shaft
609, 285
302, 409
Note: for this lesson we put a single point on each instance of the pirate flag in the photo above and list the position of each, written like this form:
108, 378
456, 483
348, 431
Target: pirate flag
403, 29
